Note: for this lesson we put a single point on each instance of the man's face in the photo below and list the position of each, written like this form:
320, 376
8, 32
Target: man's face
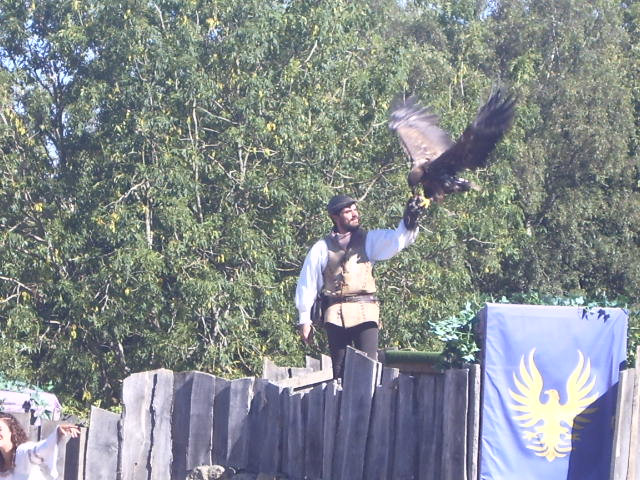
348, 219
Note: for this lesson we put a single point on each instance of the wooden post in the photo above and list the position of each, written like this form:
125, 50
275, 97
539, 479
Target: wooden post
325, 362
299, 371
313, 363
270, 453
430, 396
75, 457
101, 462
257, 424
220, 421
270, 371
473, 422
634, 433
360, 374
314, 431
192, 421
380, 443
332, 399
454, 431
622, 432
293, 461
147, 399
136, 423
240, 395
405, 460
230, 421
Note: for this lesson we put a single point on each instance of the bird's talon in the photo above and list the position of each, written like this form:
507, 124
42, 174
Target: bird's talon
423, 202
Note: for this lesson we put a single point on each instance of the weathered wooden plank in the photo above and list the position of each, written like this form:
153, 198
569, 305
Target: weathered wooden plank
271, 371
240, 396
271, 449
293, 461
221, 394
257, 424
405, 461
332, 399
622, 432
634, 429
360, 375
314, 432
430, 399
231, 405
136, 425
192, 421
325, 362
454, 426
473, 422
380, 442
101, 459
305, 379
161, 408
147, 399
298, 371
75, 456
313, 363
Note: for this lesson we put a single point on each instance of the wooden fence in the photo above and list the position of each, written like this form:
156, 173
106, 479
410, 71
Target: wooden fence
625, 464
379, 424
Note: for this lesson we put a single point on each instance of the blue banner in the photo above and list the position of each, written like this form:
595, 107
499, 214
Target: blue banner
550, 379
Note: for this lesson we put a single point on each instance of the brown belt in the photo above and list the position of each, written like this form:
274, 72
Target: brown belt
366, 298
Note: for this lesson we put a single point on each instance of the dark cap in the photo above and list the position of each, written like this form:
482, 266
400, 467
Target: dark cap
338, 202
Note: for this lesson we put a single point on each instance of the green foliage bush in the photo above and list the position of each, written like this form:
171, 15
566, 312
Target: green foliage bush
459, 337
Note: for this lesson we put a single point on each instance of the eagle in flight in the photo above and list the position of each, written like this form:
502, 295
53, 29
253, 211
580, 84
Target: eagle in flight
436, 159
552, 423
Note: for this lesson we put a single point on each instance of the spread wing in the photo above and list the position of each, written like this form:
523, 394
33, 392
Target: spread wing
472, 149
419, 134
529, 387
579, 394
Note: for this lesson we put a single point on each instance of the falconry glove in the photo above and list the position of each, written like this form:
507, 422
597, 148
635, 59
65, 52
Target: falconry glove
415, 206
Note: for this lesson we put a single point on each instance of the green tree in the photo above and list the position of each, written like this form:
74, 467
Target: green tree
576, 178
165, 168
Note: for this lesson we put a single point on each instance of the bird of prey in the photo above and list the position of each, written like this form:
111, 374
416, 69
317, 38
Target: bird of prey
552, 424
436, 159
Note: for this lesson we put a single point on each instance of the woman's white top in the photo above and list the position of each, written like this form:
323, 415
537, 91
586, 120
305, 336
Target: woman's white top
36, 460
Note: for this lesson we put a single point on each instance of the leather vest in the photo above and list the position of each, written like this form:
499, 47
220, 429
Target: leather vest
349, 272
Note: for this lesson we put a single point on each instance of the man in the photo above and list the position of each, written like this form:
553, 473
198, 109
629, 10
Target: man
340, 267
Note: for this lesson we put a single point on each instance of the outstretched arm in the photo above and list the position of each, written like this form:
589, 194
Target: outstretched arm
44, 452
385, 243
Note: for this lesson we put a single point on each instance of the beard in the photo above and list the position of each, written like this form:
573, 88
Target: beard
352, 226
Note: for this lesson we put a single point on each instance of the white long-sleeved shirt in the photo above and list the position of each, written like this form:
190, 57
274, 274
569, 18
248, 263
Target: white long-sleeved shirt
380, 245
37, 460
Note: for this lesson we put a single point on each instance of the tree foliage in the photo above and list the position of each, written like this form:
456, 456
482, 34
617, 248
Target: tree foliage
165, 167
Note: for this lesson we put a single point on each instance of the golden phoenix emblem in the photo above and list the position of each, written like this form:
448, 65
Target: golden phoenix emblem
549, 427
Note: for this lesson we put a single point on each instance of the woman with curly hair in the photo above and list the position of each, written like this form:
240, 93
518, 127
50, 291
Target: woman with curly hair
21, 459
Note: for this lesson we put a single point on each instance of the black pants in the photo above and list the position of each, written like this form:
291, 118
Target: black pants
364, 337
